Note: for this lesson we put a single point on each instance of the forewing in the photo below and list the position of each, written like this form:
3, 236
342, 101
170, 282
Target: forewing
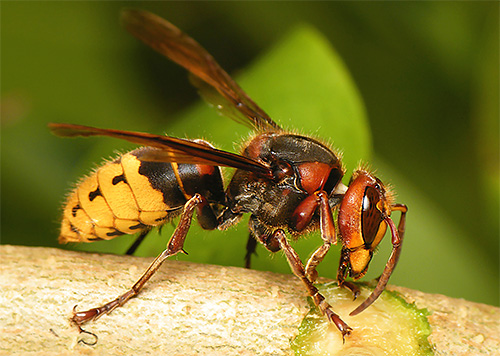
171, 149
219, 103
168, 40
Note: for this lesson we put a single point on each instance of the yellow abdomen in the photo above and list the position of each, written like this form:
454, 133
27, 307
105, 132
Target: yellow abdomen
115, 200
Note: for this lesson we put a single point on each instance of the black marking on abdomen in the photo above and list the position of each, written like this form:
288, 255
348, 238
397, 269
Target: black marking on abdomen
75, 209
74, 229
95, 194
162, 219
118, 179
94, 239
114, 233
139, 226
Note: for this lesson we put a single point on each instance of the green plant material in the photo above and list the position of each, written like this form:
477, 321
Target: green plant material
390, 326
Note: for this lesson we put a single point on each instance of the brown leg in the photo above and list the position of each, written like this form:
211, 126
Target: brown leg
352, 287
298, 269
327, 228
175, 245
397, 241
136, 243
251, 247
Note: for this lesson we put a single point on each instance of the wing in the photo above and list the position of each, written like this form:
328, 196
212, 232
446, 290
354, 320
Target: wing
168, 40
171, 149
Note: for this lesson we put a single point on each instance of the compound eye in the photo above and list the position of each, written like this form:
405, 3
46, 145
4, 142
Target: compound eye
372, 218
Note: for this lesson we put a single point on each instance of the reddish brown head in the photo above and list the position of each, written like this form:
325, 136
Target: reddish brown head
362, 224
363, 219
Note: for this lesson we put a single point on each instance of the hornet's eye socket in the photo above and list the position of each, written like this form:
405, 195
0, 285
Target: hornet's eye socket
333, 180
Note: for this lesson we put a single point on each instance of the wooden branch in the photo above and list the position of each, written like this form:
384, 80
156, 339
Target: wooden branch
186, 309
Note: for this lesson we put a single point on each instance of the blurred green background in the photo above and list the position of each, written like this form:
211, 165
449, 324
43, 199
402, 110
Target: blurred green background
420, 106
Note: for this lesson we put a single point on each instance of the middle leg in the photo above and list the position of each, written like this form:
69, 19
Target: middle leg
328, 235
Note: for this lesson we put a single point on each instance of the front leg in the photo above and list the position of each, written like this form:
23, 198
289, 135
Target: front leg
328, 235
298, 269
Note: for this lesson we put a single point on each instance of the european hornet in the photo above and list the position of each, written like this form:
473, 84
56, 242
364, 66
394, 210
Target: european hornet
287, 182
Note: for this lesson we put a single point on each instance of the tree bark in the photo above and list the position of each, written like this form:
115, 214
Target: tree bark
186, 308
